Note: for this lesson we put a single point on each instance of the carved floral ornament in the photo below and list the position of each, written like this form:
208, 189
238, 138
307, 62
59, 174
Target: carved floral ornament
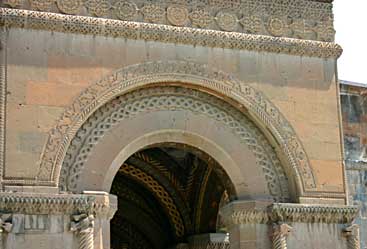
292, 18
164, 33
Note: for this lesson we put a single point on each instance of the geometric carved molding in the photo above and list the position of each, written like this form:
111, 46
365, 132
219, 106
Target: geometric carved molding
300, 19
198, 75
133, 104
255, 212
169, 34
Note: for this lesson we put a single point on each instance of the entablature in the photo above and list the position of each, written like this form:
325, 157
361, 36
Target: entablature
300, 19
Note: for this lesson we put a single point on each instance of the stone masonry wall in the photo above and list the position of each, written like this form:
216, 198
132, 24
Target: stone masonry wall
354, 113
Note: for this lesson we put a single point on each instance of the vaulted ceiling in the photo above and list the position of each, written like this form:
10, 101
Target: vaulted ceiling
167, 194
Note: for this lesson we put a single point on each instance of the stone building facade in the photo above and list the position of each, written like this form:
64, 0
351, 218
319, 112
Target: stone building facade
171, 124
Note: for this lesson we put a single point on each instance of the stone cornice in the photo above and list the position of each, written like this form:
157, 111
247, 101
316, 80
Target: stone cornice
33, 203
252, 212
303, 19
163, 33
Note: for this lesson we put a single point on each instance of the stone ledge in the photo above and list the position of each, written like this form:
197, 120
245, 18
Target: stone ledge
163, 33
96, 203
245, 212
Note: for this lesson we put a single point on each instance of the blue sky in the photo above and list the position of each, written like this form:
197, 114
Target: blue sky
351, 34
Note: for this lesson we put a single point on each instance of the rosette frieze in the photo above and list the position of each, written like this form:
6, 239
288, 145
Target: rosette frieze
301, 19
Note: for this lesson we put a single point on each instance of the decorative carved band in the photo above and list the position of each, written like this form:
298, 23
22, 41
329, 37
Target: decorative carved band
315, 213
352, 234
280, 233
163, 33
235, 213
83, 226
100, 205
292, 18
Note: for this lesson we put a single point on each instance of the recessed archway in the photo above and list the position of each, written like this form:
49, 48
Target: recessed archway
167, 193
173, 114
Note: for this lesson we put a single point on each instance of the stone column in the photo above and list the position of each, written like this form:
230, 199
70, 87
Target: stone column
352, 234
83, 226
280, 233
5, 227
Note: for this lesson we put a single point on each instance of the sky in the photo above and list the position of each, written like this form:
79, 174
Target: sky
351, 33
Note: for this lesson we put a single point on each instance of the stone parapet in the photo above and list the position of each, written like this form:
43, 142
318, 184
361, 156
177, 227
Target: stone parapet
157, 32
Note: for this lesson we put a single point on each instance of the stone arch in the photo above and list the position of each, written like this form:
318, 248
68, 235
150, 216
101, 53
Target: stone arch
150, 106
257, 107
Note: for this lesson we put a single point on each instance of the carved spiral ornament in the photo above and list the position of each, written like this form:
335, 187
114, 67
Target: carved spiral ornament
177, 15
227, 21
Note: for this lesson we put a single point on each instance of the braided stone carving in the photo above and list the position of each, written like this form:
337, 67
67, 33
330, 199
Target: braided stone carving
83, 225
166, 98
352, 235
281, 231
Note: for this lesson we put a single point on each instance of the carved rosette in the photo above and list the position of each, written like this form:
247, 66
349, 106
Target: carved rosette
125, 10
83, 226
227, 21
98, 7
352, 235
69, 6
276, 26
177, 15
280, 234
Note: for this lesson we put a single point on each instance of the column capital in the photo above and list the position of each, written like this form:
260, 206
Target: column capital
99, 204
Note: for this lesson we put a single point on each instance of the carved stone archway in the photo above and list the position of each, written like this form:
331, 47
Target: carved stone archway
257, 106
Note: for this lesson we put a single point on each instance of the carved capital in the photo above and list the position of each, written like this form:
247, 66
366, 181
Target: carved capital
99, 204
82, 223
83, 226
244, 212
